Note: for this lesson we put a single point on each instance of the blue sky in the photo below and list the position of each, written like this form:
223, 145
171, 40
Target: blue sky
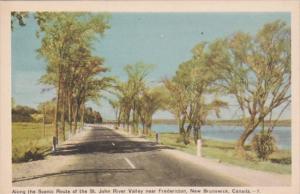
162, 39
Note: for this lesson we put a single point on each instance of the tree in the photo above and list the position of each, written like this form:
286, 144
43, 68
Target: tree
256, 70
23, 114
66, 46
135, 85
124, 100
47, 110
152, 100
115, 104
188, 91
92, 116
19, 17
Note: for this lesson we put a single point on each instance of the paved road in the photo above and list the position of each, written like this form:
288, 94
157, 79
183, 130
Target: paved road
102, 157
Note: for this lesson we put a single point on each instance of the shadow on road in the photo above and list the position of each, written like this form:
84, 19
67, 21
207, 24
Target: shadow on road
106, 141
73, 172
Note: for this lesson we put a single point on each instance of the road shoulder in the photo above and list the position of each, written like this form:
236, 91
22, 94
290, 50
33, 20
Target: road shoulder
245, 176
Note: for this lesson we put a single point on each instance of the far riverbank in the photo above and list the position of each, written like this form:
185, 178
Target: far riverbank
280, 123
230, 133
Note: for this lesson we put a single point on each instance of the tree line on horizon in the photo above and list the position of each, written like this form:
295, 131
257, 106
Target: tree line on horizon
45, 113
255, 70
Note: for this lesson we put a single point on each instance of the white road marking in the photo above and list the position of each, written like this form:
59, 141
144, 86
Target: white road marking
112, 143
129, 162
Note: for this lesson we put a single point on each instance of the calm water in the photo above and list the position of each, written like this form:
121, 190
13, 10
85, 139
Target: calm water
231, 133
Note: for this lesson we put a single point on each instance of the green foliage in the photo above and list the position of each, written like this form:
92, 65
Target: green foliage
37, 117
92, 116
130, 94
19, 17
150, 101
189, 90
47, 108
66, 46
255, 70
263, 144
23, 114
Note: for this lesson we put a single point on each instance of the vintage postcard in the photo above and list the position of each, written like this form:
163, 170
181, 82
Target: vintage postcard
152, 97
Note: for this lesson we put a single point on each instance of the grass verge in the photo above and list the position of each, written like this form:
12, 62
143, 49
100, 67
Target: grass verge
29, 141
279, 161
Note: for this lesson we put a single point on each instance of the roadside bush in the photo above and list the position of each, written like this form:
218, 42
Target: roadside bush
263, 144
28, 152
30, 155
282, 160
34, 154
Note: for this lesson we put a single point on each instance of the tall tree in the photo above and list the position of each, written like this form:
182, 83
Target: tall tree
63, 36
151, 100
129, 92
256, 70
136, 84
188, 91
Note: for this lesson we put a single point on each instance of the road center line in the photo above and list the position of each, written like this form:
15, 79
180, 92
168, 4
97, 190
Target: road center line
129, 162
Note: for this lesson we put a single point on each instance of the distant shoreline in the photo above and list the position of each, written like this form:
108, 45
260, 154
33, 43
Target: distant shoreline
281, 123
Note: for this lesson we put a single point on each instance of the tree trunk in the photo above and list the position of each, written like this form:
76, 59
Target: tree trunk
143, 126
249, 128
128, 121
240, 143
181, 126
63, 117
119, 118
196, 134
70, 113
134, 118
148, 127
75, 118
57, 106
82, 115
44, 120
181, 123
187, 135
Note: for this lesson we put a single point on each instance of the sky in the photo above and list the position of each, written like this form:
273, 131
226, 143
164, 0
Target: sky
162, 39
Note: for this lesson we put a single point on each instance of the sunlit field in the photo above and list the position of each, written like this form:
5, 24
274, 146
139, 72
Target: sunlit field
29, 141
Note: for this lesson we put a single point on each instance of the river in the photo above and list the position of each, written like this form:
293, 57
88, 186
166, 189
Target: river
231, 133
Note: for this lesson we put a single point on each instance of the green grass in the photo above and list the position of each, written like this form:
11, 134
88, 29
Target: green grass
279, 161
29, 138
29, 142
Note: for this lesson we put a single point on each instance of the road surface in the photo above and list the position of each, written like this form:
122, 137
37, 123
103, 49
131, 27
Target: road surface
102, 157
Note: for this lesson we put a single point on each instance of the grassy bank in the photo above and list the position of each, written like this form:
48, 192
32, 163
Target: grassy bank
279, 161
29, 141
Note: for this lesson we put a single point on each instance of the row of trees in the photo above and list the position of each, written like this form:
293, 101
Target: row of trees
254, 70
135, 101
72, 70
